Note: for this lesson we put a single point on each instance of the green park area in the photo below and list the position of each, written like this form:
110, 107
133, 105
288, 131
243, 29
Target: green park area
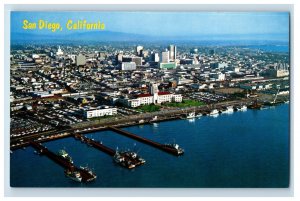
148, 108
185, 103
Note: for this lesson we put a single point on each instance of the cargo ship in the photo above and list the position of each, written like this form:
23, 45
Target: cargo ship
62, 153
175, 147
128, 159
74, 175
90, 172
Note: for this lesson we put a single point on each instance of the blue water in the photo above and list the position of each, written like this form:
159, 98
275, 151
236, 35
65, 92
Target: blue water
243, 149
270, 48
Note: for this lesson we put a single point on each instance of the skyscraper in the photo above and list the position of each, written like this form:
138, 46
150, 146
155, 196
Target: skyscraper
139, 50
172, 50
165, 57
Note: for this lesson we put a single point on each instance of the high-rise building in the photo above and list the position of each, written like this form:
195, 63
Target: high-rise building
165, 57
119, 57
139, 50
172, 54
80, 60
128, 66
155, 57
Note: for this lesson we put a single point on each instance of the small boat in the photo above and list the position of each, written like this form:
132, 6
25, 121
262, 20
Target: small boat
190, 115
62, 153
74, 175
199, 115
120, 159
214, 112
243, 108
228, 110
88, 170
176, 147
153, 119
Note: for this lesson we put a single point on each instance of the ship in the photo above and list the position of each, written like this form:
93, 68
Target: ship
199, 115
214, 112
120, 159
154, 119
190, 115
241, 108
228, 110
89, 171
74, 175
176, 147
255, 105
134, 157
62, 153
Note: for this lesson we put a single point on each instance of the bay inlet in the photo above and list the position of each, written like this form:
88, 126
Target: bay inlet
242, 149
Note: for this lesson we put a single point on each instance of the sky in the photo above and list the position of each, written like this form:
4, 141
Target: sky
169, 23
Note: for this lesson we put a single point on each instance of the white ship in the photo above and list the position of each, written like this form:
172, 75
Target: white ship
74, 175
191, 115
214, 112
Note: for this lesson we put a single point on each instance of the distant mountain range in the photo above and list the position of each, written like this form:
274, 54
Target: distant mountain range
109, 36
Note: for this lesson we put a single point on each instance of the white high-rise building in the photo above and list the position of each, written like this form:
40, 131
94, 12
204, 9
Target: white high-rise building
165, 57
128, 66
172, 50
139, 48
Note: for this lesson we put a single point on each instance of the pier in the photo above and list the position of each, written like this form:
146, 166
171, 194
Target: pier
86, 176
95, 144
172, 150
126, 159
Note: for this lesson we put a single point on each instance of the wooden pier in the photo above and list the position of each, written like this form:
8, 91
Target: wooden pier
146, 141
86, 176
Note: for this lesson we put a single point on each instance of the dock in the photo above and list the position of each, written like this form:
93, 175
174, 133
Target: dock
95, 144
86, 176
169, 149
124, 158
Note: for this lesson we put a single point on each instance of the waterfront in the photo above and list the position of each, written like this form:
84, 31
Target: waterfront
242, 149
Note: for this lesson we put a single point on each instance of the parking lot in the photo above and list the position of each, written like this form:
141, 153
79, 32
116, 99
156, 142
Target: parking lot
206, 97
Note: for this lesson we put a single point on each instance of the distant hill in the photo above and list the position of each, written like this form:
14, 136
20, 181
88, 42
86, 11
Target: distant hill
80, 36
110, 36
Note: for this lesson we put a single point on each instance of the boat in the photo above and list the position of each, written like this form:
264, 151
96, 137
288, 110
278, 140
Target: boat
255, 105
287, 102
62, 153
191, 115
199, 115
229, 109
176, 147
88, 170
74, 175
243, 108
153, 119
134, 157
214, 112
120, 159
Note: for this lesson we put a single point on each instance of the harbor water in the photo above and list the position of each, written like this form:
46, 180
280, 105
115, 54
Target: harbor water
241, 149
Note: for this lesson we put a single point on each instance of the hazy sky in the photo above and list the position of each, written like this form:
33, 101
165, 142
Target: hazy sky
169, 23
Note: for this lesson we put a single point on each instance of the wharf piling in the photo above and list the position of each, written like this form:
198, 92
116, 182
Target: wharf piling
163, 147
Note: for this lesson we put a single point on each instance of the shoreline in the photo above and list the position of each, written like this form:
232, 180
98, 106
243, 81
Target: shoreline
170, 115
